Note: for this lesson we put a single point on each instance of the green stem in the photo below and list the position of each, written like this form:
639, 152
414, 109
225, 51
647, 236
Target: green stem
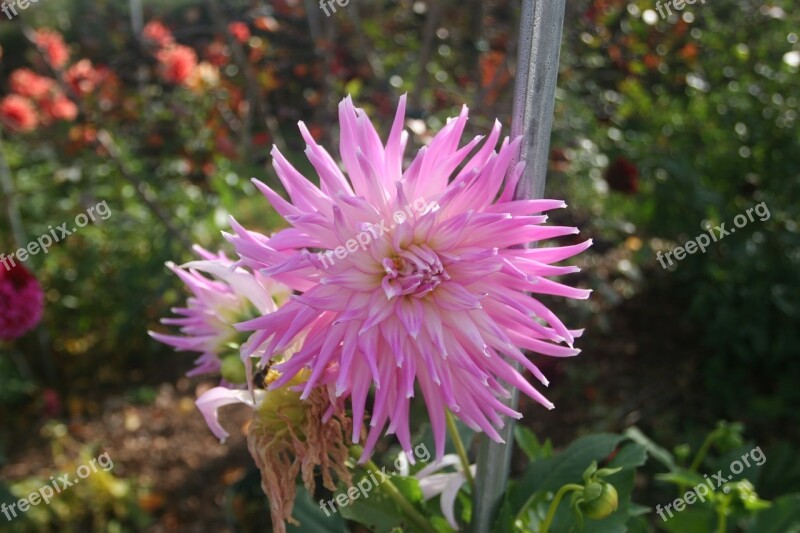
551, 512
722, 521
701, 453
391, 490
460, 449
722, 514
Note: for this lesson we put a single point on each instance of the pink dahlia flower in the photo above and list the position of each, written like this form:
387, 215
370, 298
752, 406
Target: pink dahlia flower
411, 279
230, 295
21, 301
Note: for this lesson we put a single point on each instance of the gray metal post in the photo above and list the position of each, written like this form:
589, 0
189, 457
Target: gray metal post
541, 25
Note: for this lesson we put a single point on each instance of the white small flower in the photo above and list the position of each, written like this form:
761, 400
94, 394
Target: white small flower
445, 484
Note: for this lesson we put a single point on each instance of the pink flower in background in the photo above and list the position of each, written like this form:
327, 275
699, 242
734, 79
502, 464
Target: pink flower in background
27, 83
176, 63
52, 43
21, 301
438, 297
230, 295
18, 113
158, 34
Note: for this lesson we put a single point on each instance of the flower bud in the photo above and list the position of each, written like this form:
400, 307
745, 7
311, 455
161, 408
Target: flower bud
599, 500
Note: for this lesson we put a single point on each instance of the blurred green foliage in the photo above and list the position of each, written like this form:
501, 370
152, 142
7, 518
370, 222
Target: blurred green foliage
704, 108
90, 497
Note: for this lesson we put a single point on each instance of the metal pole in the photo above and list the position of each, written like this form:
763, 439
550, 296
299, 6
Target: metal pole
137, 17
541, 24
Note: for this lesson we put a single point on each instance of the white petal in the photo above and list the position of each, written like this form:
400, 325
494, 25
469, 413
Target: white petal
448, 499
242, 282
436, 484
210, 401
448, 460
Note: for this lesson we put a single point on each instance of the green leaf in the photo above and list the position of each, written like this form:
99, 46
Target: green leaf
376, 510
782, 517
682, 477
567, 467
781, 474
408, 487
638, 524
529, 443
505, 518
441, 525
654, 450
691, 520
630, 456
639, 510
312, 517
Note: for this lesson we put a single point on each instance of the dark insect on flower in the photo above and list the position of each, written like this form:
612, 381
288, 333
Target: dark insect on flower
260, 377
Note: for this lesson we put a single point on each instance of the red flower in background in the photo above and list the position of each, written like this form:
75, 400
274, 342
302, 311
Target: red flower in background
217, 53
18, 113
52, 43
59, 108
622, 176
240, 31
26, 82
21, 301
83, 78
176, 63
158, 34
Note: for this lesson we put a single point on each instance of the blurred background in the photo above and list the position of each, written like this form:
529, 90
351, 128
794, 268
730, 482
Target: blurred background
165, 110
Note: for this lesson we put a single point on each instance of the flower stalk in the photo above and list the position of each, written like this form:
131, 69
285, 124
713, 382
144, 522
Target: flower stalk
461, 450
551, 511
392, 492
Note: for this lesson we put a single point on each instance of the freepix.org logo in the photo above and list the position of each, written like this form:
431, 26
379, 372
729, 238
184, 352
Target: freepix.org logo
375, 231
9, 8
44, 242
57, 485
